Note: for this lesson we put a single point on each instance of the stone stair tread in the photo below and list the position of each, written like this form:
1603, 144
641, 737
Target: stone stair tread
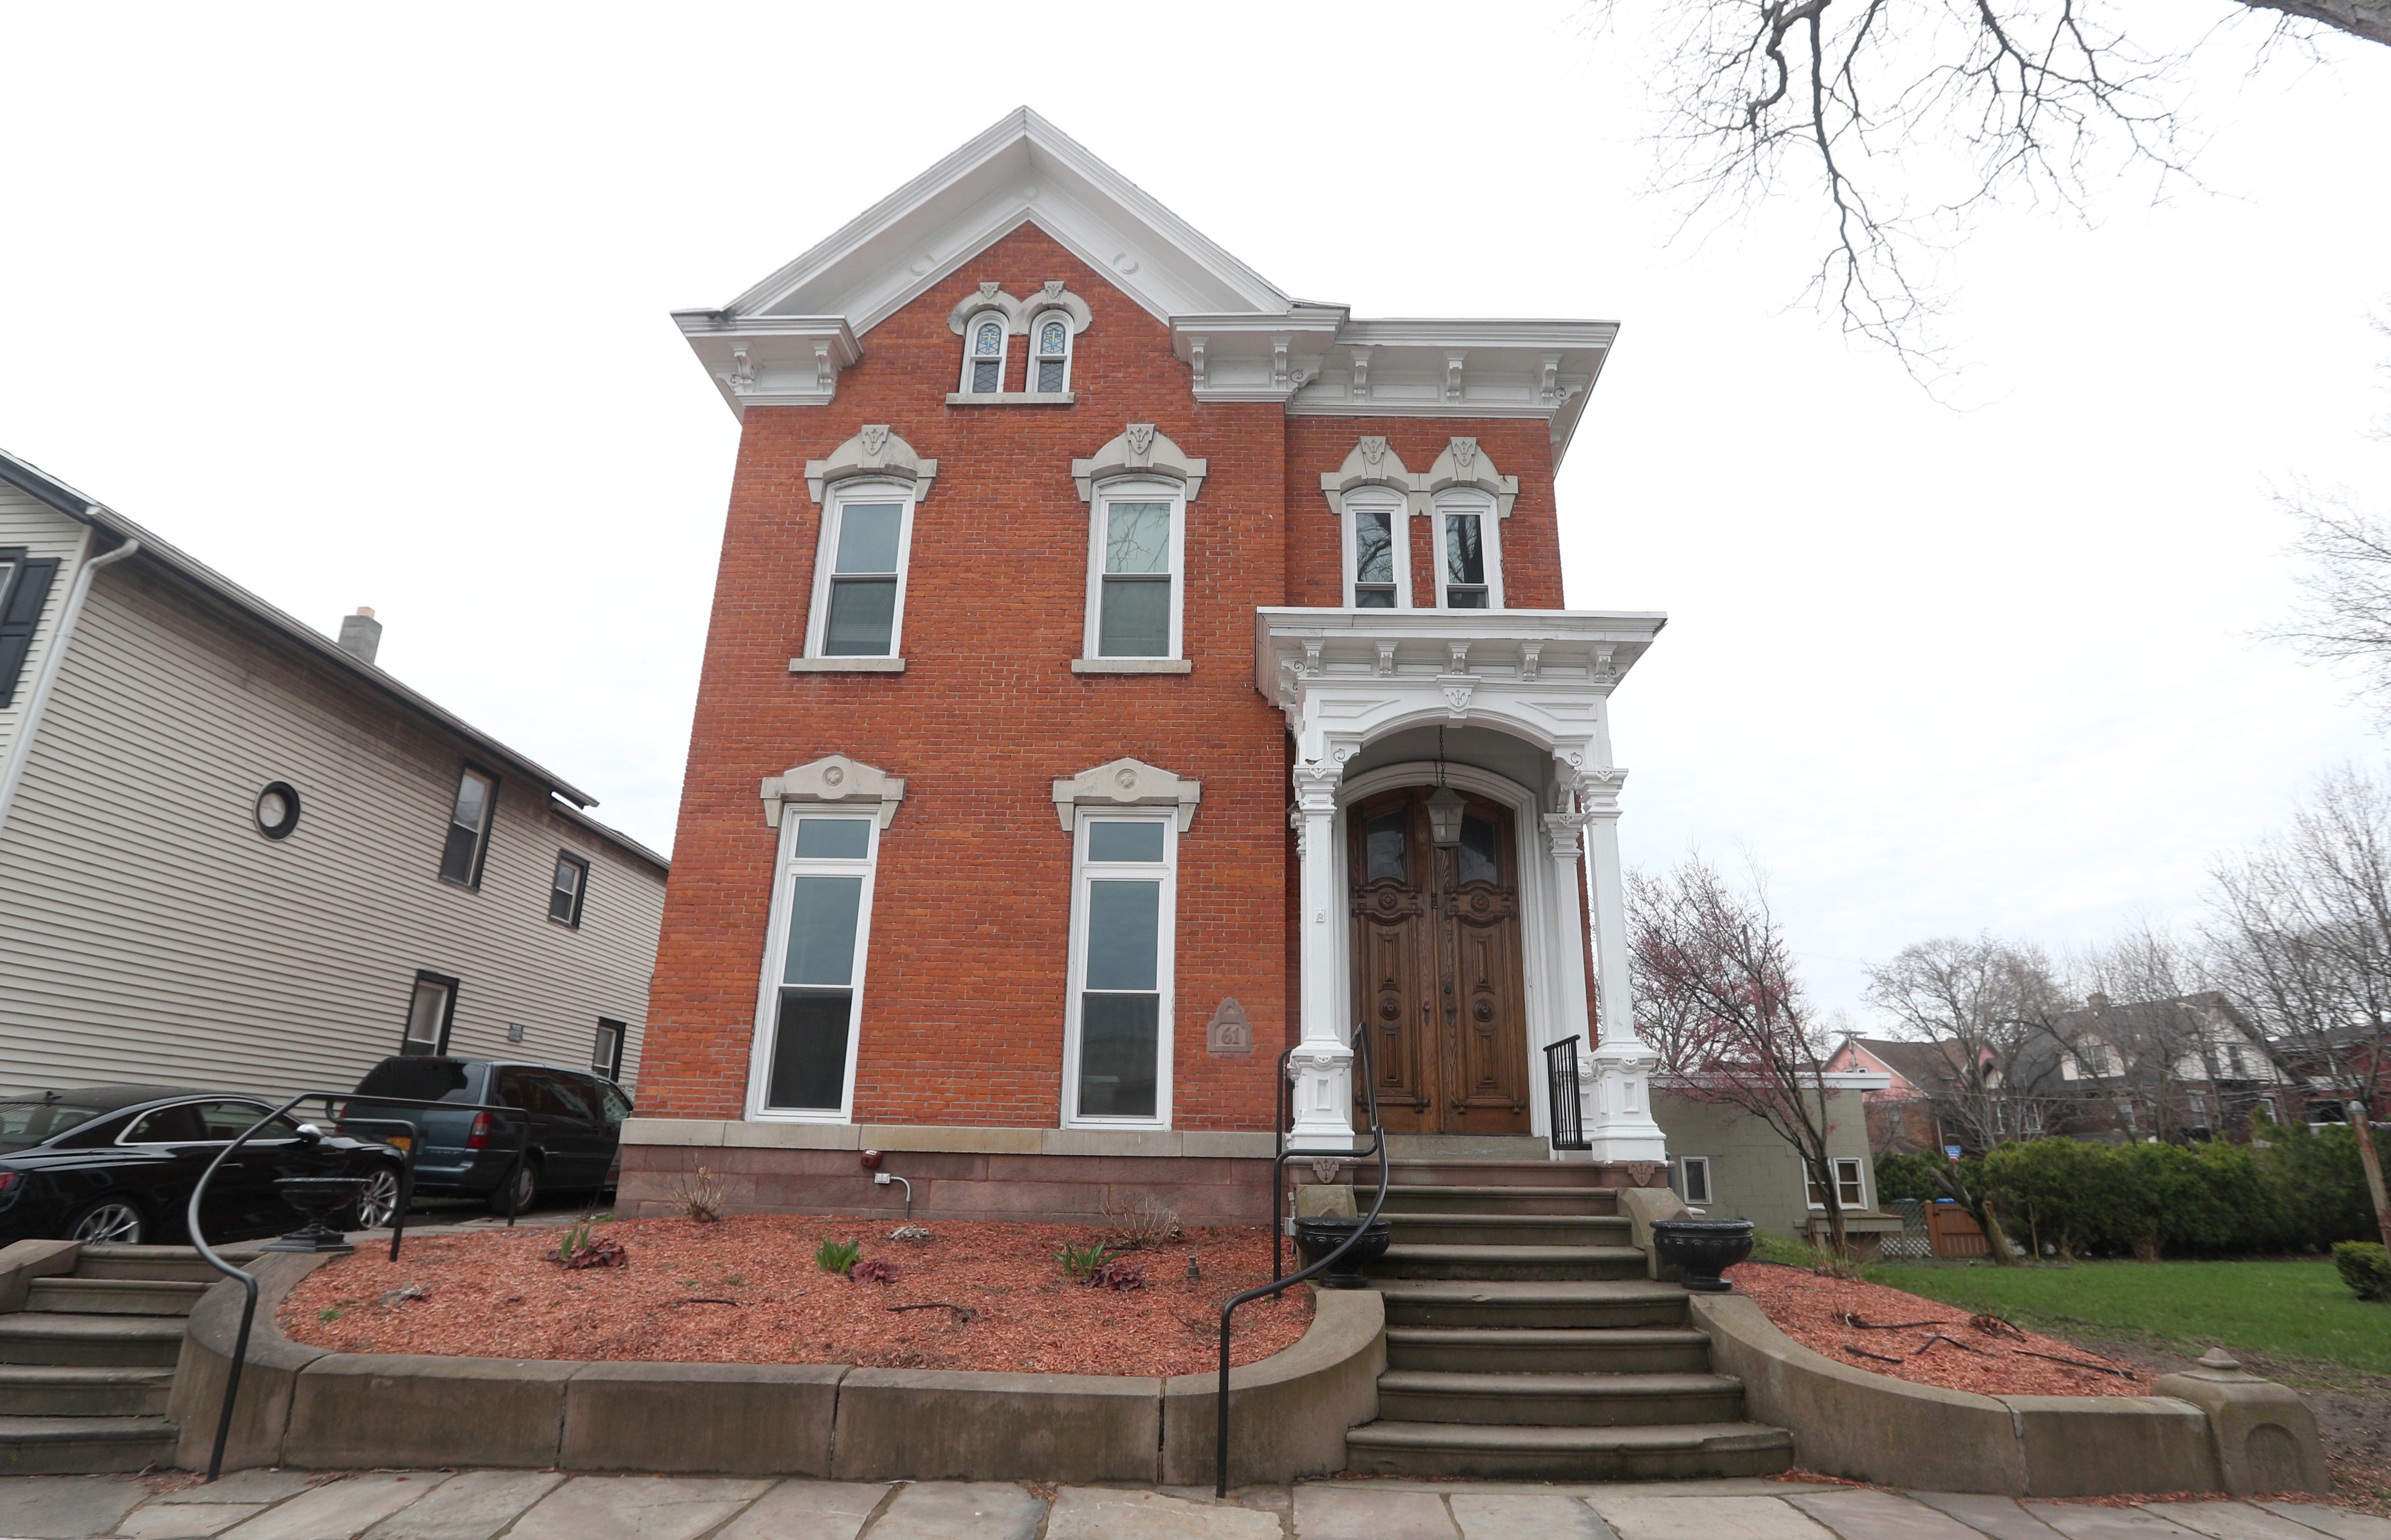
1545, 1336
1519, 1220
1596, 1291
1416, 1251
86, 1429
75, 1296
1448, 1190
1477, 1437
55, 1325
1546, 1383
54, 1375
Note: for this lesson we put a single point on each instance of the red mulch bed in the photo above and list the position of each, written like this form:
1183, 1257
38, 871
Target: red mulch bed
495, 1294
1812, 1309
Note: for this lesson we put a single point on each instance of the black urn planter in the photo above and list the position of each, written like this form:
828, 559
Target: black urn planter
1703, 1248
1318, 1235
318, 1197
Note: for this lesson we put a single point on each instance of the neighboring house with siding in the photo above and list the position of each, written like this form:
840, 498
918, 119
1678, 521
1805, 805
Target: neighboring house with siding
1732, 1165
236, 853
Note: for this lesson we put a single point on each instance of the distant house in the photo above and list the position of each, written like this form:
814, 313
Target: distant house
2188, 1066
234, 853
1901, 1118
1733, 1165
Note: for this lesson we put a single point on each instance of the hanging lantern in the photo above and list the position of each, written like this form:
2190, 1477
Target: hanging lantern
1444, 815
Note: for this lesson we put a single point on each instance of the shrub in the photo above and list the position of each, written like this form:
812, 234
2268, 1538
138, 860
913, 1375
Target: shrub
579, 1250
1899, 1176
838, 1256
1119, 1273
1148, 1222
874, 1271
2364, 1267
1079, 1261
699, 1197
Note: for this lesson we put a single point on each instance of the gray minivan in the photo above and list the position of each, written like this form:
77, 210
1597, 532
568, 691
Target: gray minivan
576, 1124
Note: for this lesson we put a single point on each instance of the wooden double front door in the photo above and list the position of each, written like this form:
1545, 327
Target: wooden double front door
1437, 976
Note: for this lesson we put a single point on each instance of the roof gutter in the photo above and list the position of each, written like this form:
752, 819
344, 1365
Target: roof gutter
21, 750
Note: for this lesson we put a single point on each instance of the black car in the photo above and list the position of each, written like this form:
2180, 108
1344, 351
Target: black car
576, 1121
117, 1164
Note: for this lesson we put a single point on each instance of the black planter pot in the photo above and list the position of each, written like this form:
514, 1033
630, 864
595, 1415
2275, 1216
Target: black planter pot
318, 1197
1315, 1238
1703, 1249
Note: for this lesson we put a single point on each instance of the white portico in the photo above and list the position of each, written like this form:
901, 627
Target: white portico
1510, 708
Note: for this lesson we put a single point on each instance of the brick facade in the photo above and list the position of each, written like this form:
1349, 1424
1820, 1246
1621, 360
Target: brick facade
963, 1010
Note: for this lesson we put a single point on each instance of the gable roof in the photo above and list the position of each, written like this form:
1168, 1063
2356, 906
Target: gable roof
1924, 1066
191, 573
783, 341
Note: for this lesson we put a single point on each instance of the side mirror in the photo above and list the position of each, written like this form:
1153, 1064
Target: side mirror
310, 1134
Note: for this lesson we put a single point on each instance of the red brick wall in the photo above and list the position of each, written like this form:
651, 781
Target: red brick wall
963, 990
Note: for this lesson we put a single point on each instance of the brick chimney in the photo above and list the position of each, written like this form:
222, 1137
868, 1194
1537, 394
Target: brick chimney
361, 634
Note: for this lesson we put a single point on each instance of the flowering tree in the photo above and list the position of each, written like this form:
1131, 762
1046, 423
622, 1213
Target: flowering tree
1717, 997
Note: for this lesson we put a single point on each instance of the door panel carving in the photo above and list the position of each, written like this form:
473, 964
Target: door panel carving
1437, 965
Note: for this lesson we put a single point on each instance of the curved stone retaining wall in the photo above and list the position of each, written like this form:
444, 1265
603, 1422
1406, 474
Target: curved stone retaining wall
318, 1410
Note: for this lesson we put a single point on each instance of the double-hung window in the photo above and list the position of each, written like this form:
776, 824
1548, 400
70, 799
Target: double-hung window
567, 888
1694, 1179
1118, 1042
1134, 571
468, 828
1851, 1190
430, 1012
860, 577
985, 344
1469, 554
813, 983
1377, 557
1050, 355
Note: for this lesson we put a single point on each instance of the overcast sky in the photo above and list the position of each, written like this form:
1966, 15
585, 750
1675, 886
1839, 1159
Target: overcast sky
370, 307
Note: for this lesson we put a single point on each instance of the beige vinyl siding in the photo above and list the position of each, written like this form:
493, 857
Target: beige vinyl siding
41, 531
150, 932
1755, 1174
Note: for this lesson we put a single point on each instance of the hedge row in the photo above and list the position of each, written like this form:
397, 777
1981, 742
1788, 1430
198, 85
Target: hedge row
2298, 1189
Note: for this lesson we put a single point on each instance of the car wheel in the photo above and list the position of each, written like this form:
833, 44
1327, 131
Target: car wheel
526, 1187
377, 1202
109, 1222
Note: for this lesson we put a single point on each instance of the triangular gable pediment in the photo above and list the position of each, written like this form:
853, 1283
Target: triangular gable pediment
1023, 170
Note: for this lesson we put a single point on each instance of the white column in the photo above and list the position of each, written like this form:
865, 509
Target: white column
1567, 953
1620, 1120
1322, 1068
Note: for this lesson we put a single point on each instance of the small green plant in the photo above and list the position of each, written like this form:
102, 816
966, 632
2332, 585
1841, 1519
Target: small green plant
2365, 1267
1079, 1261
733, 1279
581, 1248
330, 1312
838, 1256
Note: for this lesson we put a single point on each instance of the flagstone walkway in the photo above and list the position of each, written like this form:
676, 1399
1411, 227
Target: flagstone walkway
517, 1505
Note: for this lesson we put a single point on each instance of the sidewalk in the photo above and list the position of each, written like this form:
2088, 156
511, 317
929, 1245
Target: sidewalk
482, 1505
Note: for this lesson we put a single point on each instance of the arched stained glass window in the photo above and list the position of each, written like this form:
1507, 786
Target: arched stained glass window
1052, 359
984, 355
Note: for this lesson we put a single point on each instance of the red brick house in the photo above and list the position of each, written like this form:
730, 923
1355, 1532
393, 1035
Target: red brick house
1121, 672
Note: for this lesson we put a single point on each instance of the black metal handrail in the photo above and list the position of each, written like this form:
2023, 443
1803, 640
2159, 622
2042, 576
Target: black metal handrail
1278, 1169
1568, 1125
398, 1218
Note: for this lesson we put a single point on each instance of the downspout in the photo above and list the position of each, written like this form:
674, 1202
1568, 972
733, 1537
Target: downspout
21, 751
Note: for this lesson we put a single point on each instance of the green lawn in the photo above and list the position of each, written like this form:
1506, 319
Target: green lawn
2293, 1309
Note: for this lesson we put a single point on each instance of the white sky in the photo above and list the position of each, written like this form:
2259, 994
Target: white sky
370, 308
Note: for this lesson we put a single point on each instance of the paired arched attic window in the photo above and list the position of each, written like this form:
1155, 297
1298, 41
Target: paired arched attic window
1464, 498
1048, 322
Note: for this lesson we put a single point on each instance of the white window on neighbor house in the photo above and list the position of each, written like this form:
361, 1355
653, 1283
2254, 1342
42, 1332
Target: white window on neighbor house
1694, 1179
1378, 551
468, 844
1468, 552
1135, 578
1050, 354
1116, 1040
859, 604
431, 1011
1851, 1185
985, 343
819, 932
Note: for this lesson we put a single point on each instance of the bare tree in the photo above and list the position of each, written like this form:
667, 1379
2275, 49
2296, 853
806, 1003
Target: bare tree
1969, 102
2345, 613
1716, 996
2302, 936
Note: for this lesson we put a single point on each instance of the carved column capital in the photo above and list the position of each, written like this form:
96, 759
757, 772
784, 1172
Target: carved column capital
1562, 829
1315, 788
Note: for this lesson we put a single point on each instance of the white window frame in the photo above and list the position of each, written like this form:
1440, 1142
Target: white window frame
1030, 346
1128, 490
1165, 960
1838, 1164
1378, 500
1003, 354
834, 509
1490, 536
786, 869
1686, 1164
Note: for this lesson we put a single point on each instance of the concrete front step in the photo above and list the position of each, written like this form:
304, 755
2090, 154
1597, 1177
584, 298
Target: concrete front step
1573, 1176
1474, 1200
1558, 1400
1510, 1229
121, 1341
78, 1390
82, 1296
1498, 1262
1631, 1350
1581, 1305
172, 1264
1678, 1452
74, 1445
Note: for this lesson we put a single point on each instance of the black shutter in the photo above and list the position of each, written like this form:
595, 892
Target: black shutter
17, 621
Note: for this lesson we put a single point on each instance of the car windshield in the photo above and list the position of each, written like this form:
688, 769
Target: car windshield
25, 1122
418, 1080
